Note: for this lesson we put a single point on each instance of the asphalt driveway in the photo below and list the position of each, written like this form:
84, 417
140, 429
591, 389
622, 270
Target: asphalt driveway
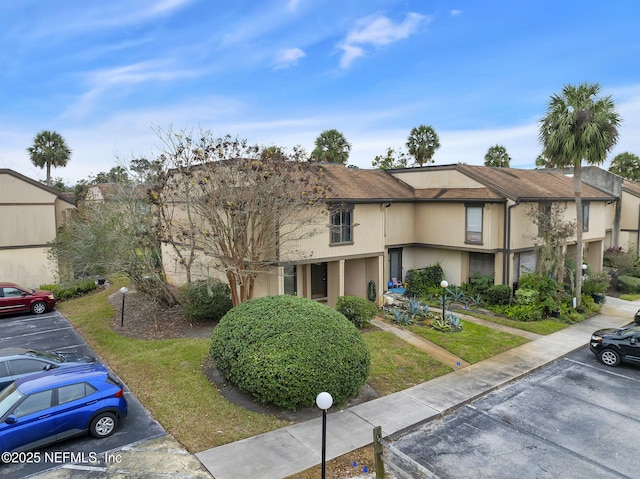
52, 331
573, 419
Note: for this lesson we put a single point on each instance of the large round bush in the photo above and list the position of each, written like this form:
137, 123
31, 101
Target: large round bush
286, 349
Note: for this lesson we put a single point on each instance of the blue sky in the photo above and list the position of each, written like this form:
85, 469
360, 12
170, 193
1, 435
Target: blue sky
107, 75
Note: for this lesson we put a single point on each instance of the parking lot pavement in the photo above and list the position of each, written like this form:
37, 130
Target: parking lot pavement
53, 332
573, 419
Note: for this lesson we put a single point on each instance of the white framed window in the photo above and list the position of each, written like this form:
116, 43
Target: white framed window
342, 225
473, 229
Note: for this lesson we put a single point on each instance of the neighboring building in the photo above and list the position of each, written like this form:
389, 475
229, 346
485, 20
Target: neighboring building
31, 214
469, 219
629, 218
473, 219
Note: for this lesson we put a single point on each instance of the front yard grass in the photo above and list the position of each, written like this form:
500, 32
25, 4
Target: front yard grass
474, 343
167, 375
396, 365
544, 327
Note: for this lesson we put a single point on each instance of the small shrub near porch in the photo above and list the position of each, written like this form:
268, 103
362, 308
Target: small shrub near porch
358, 310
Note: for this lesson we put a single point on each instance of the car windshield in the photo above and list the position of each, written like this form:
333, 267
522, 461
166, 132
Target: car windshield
628, 331
45, 355
8, 397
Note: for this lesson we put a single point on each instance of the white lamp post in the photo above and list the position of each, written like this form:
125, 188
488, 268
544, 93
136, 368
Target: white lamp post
324, 402
444, 285
123, 290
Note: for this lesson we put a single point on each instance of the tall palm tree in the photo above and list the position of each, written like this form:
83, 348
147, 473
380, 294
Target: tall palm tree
497, 156
422, 143
579, 126
626, 165
332, 147
49, 149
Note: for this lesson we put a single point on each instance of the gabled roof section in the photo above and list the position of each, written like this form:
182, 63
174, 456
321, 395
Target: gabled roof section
66, 197
354, 184
631, 187
531, 185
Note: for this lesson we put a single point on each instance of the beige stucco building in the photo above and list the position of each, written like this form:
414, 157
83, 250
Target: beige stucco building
30, 215
469, 219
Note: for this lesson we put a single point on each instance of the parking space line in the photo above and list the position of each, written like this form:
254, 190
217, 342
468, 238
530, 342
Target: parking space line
38, 332
607, 371
78, 467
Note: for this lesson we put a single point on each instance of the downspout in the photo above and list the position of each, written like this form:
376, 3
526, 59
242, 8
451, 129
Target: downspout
507, 246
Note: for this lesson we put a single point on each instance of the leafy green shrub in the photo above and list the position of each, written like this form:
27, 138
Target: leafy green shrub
524, 312
544, 285
205, 300
526, 296
595, 282
420, 281
285, 350
358, 310
70, 289
624, 262
628, 284
479, 284
498, 294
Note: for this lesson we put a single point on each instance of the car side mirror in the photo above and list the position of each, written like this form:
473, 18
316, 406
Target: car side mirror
11, 419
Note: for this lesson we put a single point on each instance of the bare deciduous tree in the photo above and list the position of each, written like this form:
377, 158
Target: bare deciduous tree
246, 211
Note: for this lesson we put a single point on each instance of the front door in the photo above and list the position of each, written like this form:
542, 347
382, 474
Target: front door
318, 280
395, 264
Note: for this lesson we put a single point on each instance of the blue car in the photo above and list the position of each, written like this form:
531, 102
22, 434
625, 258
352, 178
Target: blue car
19, 362
55, 405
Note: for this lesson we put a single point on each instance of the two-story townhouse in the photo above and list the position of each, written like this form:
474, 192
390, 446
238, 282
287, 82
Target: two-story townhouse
474, 219
31, 215
344, 256
380, 224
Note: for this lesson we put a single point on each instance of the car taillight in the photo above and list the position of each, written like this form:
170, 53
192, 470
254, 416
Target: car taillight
52, 296
120, 393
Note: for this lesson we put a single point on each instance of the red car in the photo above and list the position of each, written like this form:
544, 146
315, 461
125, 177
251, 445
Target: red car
16, 299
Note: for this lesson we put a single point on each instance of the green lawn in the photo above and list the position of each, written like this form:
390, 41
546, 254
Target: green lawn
474, 343
168, 377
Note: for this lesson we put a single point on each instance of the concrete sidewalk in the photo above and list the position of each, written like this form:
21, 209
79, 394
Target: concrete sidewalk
292, 449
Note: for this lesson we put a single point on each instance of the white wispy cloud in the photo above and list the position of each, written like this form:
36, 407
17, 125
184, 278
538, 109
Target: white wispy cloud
375, 31
455, 13
288, 57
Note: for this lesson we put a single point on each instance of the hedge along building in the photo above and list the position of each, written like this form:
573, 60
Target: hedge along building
372, 226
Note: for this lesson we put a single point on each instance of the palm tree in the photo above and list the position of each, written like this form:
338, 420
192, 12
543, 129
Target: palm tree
579, 126
332, 147
422, 143
626, 165
497, 156
49, 149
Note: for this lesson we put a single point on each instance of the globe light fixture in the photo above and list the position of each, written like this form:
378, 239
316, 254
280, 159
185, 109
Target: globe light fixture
324, 402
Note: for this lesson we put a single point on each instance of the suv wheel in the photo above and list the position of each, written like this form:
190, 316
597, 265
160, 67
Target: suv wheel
610, 357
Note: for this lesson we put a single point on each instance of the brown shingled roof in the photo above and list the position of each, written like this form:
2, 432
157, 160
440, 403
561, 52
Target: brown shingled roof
530, 184
362, 185
632, 187
485, 194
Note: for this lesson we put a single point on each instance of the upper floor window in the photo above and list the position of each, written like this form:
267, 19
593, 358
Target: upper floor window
342, 225
474, 224
585, 216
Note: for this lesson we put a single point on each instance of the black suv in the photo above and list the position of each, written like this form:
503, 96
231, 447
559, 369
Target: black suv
613, 346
